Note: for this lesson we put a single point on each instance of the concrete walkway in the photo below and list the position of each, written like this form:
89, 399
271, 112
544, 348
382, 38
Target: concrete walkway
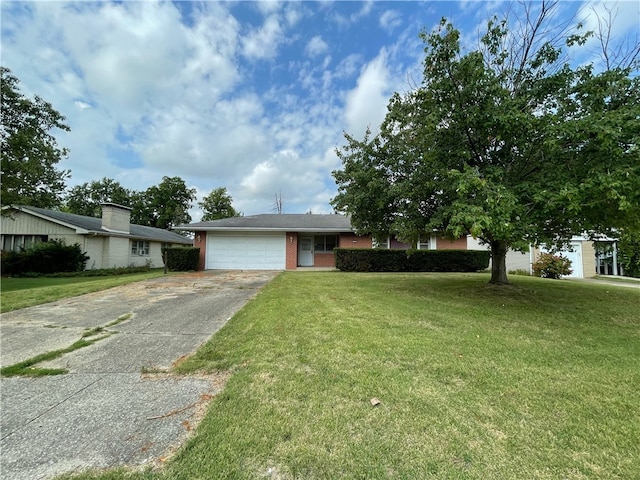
106, 412
617, 281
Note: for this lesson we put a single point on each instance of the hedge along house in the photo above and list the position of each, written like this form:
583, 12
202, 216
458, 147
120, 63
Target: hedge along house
110, 241
273, 241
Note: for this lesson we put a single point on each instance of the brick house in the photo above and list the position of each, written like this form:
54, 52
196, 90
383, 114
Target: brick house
273, 241
287, 241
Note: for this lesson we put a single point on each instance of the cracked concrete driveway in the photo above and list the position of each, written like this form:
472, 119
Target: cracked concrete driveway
105, 412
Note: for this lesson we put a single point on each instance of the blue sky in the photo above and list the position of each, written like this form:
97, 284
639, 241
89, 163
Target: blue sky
251, 96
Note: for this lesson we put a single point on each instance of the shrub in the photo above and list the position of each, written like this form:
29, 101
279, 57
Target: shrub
45, 257
552, 266
382, 260
520, 271
181, 259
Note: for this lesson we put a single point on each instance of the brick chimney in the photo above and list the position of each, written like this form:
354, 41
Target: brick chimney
116, 218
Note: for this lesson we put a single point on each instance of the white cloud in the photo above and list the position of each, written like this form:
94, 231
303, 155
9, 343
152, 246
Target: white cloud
364, 11
285, 173
316, 46
263, 43
366, 104
153, 89
390, 20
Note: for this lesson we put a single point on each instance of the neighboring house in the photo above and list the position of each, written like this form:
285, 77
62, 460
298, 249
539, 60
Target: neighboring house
110, 241
588, 258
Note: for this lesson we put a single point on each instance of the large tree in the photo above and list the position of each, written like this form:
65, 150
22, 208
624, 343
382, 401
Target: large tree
29, 152
164, 205
506, 142
218, 204
85, 199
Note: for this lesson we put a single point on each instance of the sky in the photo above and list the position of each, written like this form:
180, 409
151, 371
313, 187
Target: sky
250, 96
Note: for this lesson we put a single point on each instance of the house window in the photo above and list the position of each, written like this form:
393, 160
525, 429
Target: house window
381, 243
20, 242
138, 247
325, 243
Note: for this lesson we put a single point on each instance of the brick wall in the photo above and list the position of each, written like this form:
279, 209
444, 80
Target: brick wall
324, 260
291, 262
457, 244
200, 241
351, 240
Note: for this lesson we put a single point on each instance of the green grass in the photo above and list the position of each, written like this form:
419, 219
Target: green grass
16, 293
535, 381
28, 368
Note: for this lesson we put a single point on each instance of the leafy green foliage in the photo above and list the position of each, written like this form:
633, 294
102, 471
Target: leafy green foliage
164, 205
629, 252
506, 143
86, 199
549, 265
383, 260
45, 257
218, 204
29, 152
181, 259
161, 206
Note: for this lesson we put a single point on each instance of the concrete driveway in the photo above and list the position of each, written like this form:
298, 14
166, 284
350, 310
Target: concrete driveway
106, 412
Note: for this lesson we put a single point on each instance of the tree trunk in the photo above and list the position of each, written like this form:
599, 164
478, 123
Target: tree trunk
499, 263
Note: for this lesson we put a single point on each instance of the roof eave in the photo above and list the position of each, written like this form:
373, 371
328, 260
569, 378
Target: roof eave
195, 228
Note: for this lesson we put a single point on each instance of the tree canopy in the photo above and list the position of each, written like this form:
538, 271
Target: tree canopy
161, 206
86, 199
164, 205
29, 152
218, 204
507, 142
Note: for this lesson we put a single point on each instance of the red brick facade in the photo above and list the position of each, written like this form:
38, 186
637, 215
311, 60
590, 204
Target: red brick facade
200, 241
324, 260
345, 240
457, 244
351, 240
291, 251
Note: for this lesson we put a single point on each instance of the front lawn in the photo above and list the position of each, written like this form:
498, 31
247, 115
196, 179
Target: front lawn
535, 381
22, 292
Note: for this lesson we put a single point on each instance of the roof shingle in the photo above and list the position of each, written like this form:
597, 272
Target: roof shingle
289, 222
94, 224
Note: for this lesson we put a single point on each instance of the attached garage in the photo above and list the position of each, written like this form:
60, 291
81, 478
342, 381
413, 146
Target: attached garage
245, 251
272, 241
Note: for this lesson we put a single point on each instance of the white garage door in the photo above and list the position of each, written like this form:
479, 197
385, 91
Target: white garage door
573, 253
245, 252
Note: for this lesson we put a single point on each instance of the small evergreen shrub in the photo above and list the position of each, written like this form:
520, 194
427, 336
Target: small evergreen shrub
383, 260
552, 266
45, 257
181, 259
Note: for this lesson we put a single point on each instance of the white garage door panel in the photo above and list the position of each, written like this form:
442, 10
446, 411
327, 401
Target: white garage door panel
246, 252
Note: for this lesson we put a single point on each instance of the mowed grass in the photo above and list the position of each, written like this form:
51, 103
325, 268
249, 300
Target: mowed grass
535, 381
19, 292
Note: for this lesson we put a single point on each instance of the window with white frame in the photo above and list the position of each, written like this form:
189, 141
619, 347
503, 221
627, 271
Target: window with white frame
139, 247
20, 242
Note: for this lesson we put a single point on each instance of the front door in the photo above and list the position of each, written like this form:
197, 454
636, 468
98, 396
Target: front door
305, 252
